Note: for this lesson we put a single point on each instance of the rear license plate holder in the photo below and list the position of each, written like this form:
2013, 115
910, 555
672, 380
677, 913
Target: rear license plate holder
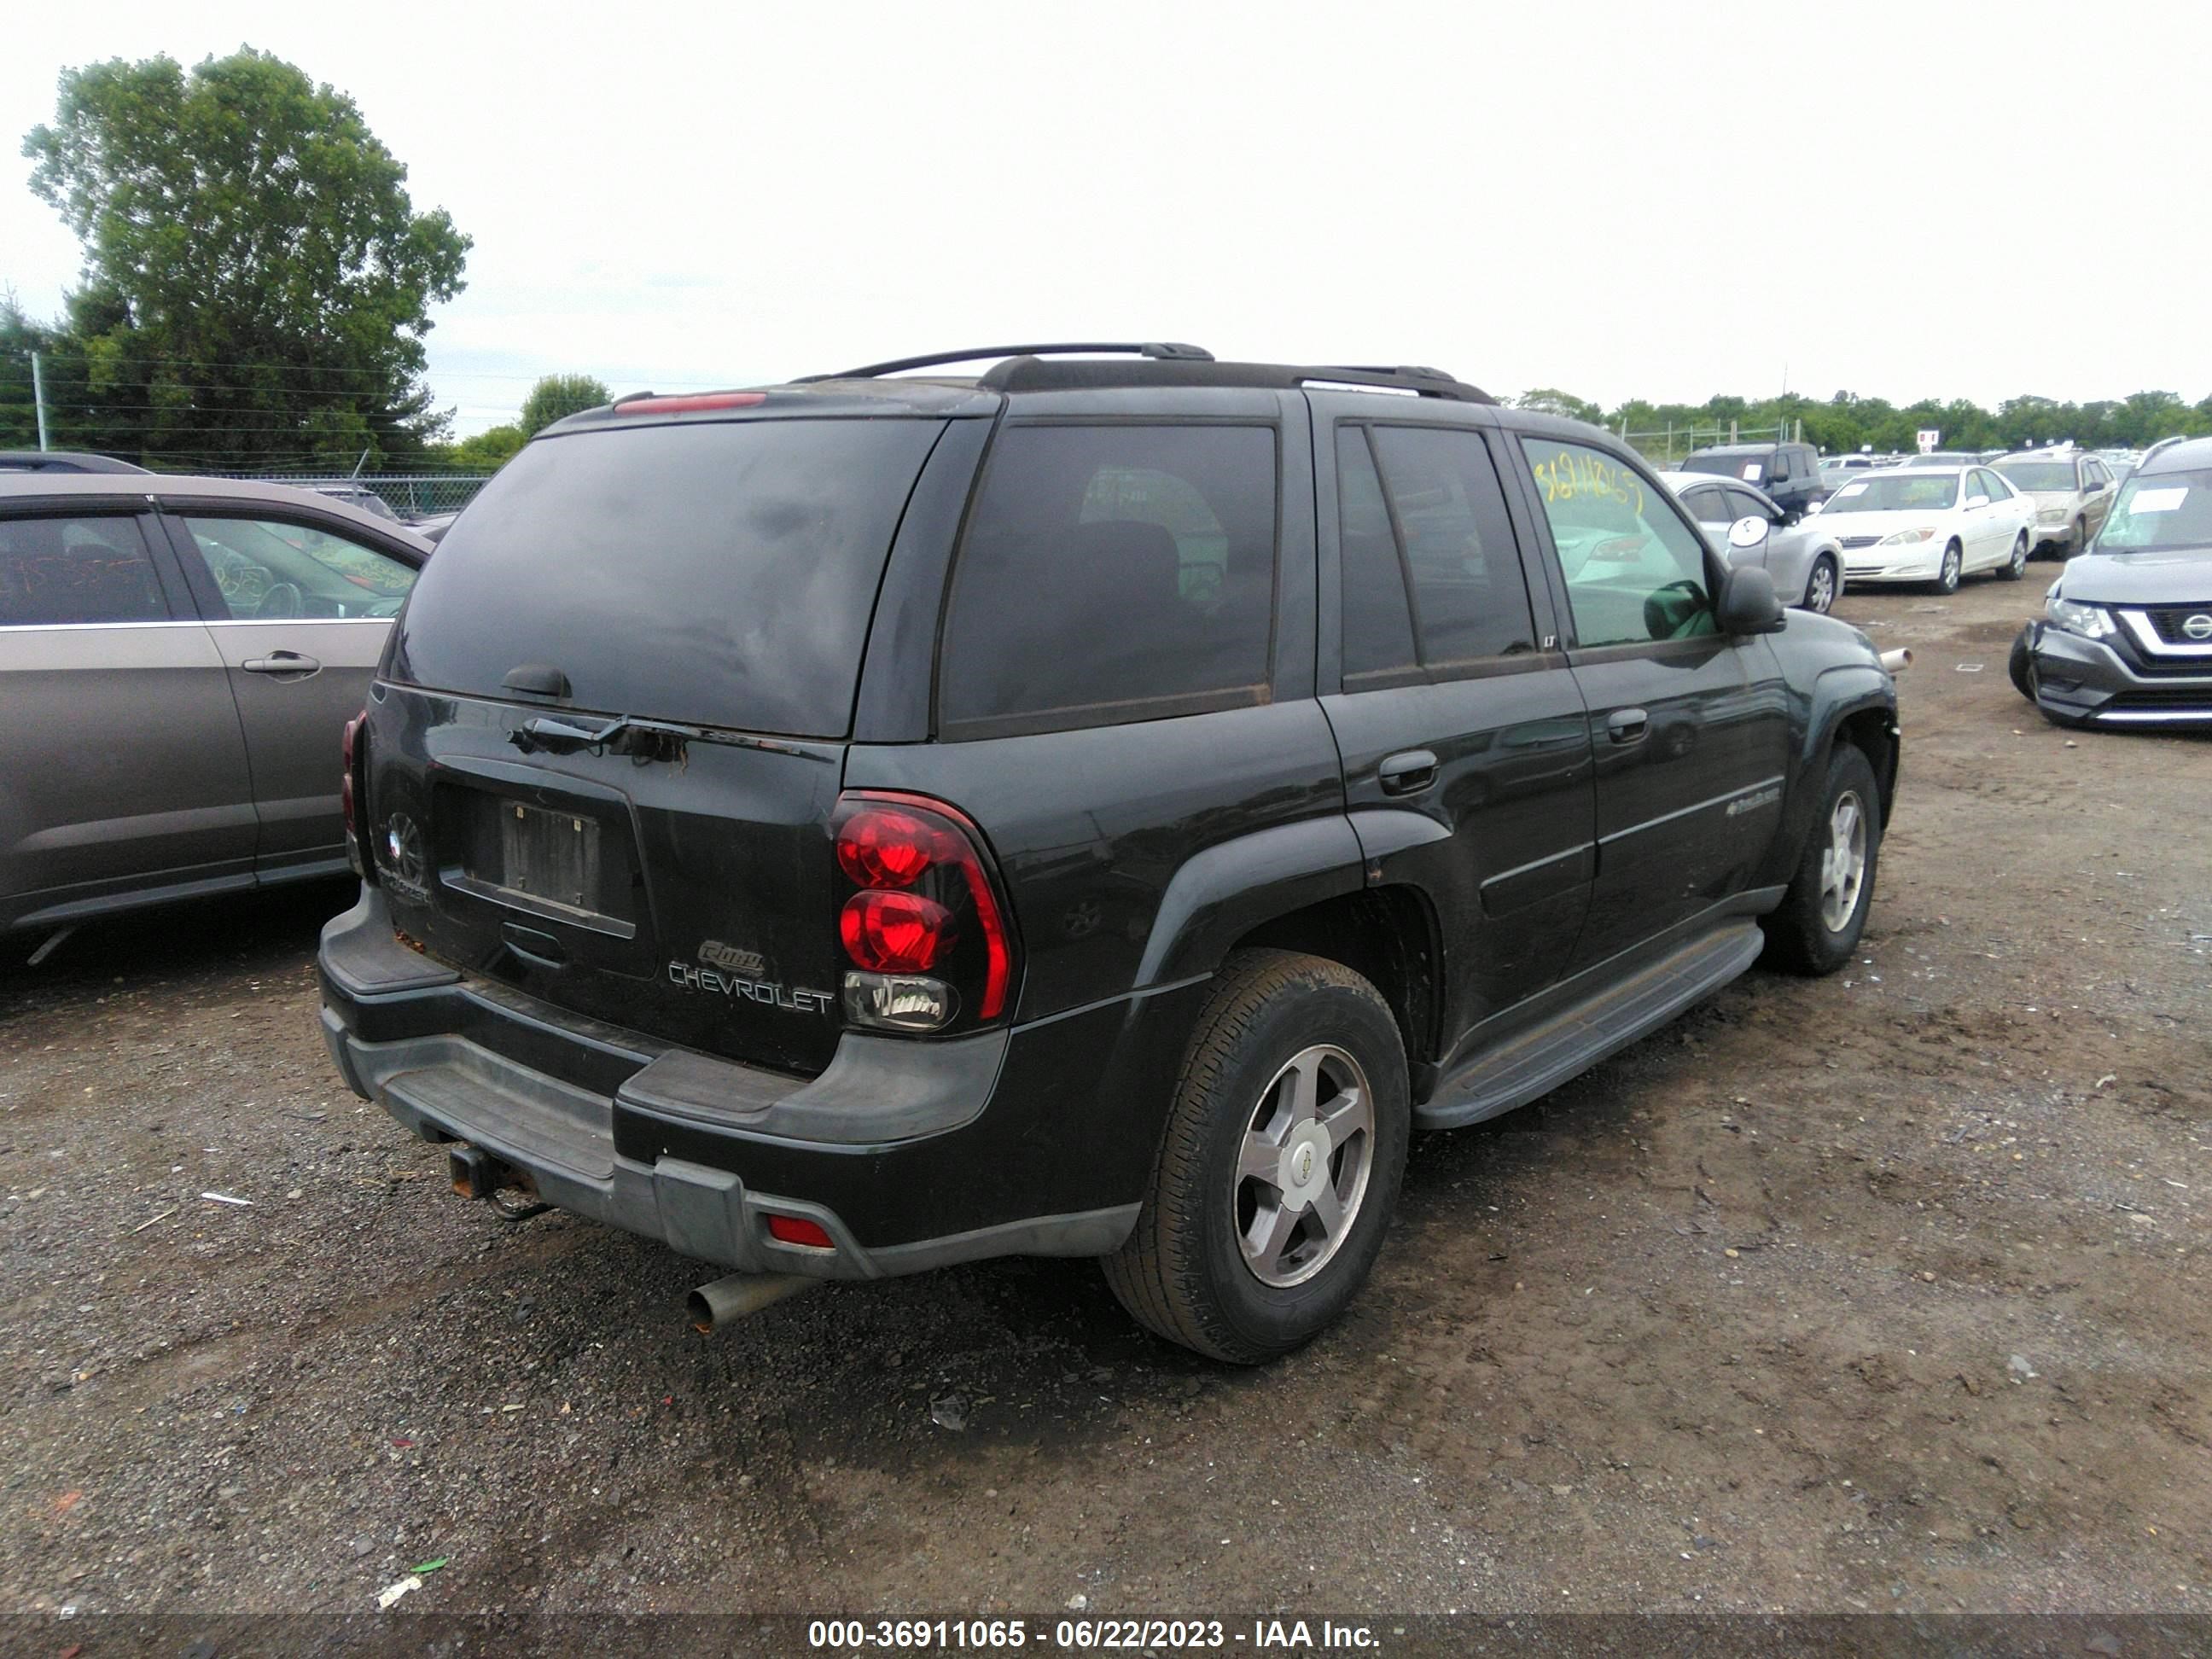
552, 856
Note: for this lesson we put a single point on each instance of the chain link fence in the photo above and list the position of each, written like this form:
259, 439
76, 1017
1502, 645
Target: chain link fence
409, 494
1665, 447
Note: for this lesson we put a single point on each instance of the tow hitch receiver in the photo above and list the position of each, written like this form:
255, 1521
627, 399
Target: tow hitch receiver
477, 1173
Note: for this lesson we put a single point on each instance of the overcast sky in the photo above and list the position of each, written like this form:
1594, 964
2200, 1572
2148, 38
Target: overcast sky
1941, 198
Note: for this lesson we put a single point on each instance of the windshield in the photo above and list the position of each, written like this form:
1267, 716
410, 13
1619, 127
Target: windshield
1751, 467
2039, 475
2166, 512
1896, 492
718, 572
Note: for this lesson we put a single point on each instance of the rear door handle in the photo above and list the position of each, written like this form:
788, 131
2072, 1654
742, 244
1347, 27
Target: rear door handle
1408, 772
283, 662
1627, 725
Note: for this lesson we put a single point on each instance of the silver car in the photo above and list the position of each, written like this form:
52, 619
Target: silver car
1806, 562
2072, 490
179, 656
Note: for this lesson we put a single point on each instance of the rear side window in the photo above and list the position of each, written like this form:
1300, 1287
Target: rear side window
1470, 599
720, 572
1112, 573
1378, 628
1708, 506
83, 569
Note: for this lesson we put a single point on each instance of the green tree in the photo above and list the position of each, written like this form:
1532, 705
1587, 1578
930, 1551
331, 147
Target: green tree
257, 283
1550, 400
489, 450
558, 395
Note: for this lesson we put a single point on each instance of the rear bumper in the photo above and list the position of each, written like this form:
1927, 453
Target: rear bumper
2090, 683
910, 1155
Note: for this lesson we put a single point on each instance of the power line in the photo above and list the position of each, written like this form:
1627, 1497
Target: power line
430, 373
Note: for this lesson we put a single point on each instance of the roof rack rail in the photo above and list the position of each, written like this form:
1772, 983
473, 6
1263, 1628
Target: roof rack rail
1403, 371
1404, 377
1162, 350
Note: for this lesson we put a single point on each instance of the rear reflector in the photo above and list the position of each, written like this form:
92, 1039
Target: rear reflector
692, 405
798, 1230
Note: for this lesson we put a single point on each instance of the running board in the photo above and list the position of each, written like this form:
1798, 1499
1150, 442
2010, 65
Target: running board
1579, 1036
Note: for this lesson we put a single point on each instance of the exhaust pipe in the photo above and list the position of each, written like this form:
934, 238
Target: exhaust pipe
728, 1300
1897, 661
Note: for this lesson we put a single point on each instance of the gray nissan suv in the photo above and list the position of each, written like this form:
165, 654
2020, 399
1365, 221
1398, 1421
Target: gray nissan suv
178, 658
2125, 638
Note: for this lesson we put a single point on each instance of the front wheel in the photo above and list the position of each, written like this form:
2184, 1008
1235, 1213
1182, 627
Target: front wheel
1820, 585
2015, 567
1280, 1165
1947, 574
2019, 666
1824, 912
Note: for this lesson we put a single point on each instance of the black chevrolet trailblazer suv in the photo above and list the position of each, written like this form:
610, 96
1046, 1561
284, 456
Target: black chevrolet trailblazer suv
1100, 808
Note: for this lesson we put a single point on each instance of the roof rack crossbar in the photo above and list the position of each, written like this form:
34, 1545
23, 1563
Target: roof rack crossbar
1162, 350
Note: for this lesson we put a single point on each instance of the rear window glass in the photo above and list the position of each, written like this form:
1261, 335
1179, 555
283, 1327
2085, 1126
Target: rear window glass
85, 569
1112, 573
720, 572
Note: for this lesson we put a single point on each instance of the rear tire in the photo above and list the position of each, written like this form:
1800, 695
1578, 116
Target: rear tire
1947, 574
1824, 913
2016, 567
1232, 1255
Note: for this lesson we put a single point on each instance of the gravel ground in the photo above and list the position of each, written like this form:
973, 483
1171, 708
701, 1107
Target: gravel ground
1885, 1292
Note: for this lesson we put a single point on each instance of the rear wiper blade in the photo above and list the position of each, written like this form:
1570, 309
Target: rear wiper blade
561, 738
646, 740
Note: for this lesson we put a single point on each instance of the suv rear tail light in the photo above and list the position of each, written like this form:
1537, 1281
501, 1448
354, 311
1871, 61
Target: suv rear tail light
353, 752
923, 921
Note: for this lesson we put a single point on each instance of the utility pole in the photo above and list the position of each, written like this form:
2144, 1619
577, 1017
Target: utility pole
39, 397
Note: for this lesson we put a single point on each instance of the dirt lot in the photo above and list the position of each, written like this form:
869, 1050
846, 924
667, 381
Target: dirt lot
1885, 1291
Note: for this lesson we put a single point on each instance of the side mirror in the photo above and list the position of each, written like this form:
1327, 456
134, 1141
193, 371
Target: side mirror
1746, 532
1748, 604
1977, 501
1811, 507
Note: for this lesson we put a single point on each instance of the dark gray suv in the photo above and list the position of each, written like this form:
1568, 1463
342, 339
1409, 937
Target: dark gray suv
1789, 473
1098, 808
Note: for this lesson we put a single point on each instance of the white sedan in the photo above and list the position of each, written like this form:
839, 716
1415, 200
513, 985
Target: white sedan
1929, 524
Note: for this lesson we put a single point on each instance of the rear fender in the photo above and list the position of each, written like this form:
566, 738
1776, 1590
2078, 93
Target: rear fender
1225, 892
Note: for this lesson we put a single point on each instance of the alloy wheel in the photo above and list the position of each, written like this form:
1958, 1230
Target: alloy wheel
1821, 591
1302, 1171
1842, 862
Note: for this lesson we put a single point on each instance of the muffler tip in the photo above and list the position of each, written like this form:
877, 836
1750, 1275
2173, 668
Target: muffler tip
729, 1299
1898, 660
